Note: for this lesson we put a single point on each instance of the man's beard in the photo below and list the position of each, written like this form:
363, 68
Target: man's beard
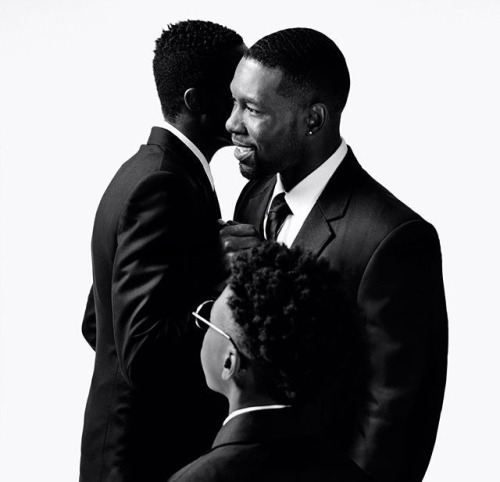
253, 169
248, 172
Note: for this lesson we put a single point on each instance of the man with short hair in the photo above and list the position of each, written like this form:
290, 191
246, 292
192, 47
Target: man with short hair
155, 255
279, 334
307, 189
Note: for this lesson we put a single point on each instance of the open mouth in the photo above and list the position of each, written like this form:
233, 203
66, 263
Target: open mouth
242, 152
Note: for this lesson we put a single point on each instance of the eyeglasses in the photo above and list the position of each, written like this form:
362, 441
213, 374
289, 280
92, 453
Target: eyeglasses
203, 324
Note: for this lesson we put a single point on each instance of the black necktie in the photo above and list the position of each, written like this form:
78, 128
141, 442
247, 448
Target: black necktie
278, 212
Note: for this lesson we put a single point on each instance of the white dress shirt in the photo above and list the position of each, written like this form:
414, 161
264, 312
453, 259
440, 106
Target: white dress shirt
302, 197
253, 409
177, 133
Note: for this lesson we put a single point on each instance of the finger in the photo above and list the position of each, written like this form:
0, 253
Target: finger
229, 222
238, 230
239, 243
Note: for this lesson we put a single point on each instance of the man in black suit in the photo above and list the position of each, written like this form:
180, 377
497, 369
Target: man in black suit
155, 255
307, 189
279, 333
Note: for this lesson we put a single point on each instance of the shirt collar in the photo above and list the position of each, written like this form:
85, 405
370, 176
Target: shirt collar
253, 409
176, 132
302, 197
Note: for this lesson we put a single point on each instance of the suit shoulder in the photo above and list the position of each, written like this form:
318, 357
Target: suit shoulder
142, 179
213, 466
372, 200
375, 218
150, 162
150, 159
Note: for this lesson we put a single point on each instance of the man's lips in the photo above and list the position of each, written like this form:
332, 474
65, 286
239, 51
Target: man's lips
243, 152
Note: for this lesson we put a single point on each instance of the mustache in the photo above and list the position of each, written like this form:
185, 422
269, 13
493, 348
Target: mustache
238, 141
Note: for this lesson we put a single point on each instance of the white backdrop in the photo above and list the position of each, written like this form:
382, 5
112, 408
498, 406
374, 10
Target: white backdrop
77, 98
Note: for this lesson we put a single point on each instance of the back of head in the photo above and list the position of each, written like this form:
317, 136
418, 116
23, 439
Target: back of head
293, 321
186, 56
311, 64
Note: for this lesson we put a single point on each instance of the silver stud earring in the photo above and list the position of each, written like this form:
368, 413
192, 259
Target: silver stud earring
310, 133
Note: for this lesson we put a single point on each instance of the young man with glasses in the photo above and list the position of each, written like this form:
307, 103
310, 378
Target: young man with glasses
278, 335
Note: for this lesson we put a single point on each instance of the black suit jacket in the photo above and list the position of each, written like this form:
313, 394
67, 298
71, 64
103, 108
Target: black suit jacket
390, 260
155, 255
268, 446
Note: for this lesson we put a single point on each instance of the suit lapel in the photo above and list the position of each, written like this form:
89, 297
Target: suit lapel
315, 233
255, 209
318, 229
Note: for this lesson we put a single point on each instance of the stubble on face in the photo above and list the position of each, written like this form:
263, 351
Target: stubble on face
277, 153
249, 169
264, 124
256, 167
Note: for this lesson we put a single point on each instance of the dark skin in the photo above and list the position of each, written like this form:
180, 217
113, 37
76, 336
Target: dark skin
206, 109
291, 136
236, 237
224, 369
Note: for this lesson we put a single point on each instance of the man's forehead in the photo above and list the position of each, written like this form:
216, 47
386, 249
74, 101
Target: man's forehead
254, 80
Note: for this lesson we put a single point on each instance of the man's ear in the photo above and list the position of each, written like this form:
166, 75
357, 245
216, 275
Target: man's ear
316, 118
232, 364
194, 100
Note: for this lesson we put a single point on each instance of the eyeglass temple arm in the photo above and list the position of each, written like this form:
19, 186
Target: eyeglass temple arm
217, 329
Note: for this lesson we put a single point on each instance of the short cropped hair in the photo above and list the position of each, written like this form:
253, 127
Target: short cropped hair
294, 321
310, 61
184, 58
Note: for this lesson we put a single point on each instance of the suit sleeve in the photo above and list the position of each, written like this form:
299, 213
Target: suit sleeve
401, 296
89, 320
152, 275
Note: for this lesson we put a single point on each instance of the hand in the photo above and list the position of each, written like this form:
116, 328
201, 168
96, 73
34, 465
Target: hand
236, 237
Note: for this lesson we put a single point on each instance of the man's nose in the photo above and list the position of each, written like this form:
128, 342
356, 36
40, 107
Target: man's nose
234, 125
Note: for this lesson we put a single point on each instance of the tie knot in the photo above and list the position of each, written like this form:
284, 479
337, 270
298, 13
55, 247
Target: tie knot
278, 212
278, 204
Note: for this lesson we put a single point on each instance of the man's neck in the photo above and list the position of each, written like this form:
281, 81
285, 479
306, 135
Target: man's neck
316, 156
238, 401
252, 404
193, 147
193, 131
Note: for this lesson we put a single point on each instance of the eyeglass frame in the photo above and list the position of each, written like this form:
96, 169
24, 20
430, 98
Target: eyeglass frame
198, 317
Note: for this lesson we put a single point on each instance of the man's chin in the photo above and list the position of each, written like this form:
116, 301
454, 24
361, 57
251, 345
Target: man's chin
251, 166
251, 172
248, 172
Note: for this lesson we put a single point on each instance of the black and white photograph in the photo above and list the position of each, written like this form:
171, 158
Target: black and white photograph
249, 241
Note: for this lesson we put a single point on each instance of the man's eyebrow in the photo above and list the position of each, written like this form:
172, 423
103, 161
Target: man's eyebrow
248, 99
